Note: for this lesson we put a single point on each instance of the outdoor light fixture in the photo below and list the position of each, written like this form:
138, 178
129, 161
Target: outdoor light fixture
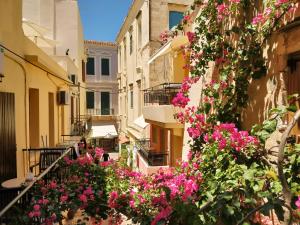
1, 77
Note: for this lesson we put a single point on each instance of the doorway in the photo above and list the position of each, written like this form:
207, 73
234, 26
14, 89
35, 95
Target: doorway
34, 118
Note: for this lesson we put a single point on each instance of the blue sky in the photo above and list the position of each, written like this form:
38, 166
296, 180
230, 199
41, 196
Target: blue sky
102, 19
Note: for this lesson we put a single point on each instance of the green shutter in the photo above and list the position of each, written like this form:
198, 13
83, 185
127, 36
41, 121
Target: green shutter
105, 103
90, 66
90, 100
105, 67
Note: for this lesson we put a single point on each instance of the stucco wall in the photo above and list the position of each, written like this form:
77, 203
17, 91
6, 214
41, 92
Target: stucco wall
104, 83
20, 76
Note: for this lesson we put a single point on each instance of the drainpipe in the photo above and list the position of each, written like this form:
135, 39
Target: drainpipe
25, 97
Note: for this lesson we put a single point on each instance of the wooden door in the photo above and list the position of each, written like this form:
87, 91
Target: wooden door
34, 118
293, 87
51, 120
8, 167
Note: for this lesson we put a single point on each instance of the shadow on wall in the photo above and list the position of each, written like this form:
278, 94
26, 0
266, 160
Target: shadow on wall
271, 90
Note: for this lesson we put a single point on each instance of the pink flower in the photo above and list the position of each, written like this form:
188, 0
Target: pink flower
258, 19
36, 207
131, 204
193, 132
186, 18
31, 214
191, 36
280, 2
297, 203
64, 198
180, 100
99, 152
53, 185
88, 191
83, 198
163, 214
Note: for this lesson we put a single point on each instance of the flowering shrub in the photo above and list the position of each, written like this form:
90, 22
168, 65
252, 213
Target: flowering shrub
153, 199
83, 186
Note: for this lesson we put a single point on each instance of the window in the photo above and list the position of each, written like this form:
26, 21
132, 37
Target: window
90, 66
105, 68
83, 70
105, 103
131, 99
174, 18
90, 100
130, 44
125, 53
139, 21
119, 59
139, 105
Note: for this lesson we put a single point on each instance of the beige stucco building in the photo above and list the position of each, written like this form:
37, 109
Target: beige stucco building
37, 68
138, 40
102, 92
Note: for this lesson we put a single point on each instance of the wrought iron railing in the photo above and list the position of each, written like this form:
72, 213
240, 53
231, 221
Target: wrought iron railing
39, 159
101, 112
162, 94
13, 201
152, 157
81, 125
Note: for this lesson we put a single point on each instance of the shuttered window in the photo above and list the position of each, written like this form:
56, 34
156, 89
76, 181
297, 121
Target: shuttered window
90, 66
105, 67
174, 18
90, 100
105, 103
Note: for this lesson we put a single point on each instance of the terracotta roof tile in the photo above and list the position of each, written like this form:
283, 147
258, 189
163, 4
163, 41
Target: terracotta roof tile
100, 43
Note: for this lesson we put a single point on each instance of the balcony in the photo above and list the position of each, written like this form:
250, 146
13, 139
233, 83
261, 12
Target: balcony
152, 158
158, 106
98, 115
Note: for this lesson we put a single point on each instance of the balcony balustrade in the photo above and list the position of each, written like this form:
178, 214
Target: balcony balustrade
158, 104
100, 112
152, 157
162, 94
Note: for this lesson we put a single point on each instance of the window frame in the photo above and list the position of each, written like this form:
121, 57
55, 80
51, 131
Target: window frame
87, 105
86, 65
131, 99
109, 66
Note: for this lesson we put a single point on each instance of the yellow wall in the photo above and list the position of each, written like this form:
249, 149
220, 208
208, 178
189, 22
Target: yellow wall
20, 76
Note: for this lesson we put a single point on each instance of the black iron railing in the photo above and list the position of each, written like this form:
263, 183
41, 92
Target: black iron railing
37, 160
152, 157
13, 201
162, 94
81, 125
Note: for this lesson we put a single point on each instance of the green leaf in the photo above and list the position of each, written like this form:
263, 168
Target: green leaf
292, 108
270, 125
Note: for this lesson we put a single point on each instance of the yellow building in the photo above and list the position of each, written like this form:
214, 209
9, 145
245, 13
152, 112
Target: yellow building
39, 93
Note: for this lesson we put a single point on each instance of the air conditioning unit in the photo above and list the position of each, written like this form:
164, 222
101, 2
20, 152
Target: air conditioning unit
63, 98
74, 78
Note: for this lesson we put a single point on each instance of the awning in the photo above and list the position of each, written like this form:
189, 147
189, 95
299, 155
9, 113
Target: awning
140, 121
104, 131
172, 45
